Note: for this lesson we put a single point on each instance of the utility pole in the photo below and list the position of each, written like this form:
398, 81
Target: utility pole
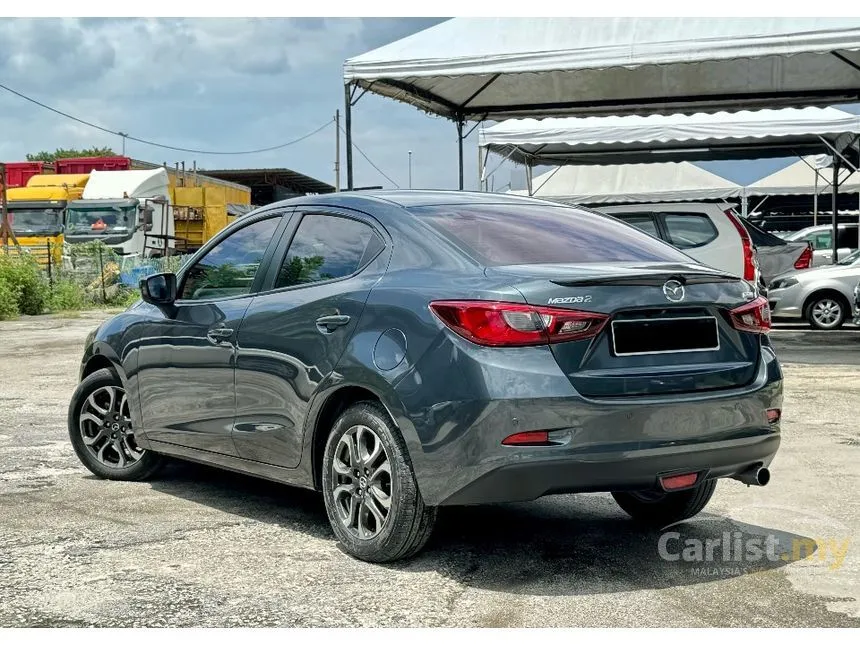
410, 170
337, 151
123, 135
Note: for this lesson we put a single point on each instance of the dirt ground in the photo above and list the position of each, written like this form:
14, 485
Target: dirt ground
199, 547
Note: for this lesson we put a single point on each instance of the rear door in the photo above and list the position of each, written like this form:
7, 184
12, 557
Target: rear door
294, 332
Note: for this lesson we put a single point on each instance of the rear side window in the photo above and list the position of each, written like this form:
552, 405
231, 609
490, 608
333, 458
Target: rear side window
642, 221
689, 230
326, 247
503, 234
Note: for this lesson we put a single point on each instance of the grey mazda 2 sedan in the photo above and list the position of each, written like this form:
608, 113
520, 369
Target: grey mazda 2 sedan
402, 351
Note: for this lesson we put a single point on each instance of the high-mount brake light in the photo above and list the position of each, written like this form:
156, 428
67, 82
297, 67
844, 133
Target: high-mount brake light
508, 324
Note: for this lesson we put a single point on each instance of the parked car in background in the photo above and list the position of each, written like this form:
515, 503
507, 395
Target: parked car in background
405, 350
775, 255
857, 304
821, 238
822, 296
709, 233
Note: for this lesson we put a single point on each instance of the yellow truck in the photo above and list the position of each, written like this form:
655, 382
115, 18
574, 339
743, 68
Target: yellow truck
37, 213
201, 205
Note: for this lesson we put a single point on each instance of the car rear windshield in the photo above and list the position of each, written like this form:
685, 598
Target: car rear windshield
505, 234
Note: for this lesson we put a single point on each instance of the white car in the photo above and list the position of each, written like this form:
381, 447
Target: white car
709, 233
821, 238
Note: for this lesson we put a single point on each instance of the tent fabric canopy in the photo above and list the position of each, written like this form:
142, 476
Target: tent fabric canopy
632, 183
799, 179
501, 68
696, 137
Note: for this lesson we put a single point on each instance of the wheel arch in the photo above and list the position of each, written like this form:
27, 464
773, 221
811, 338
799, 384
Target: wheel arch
327, 410
835, 293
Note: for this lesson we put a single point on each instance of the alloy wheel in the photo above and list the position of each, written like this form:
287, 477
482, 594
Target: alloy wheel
361, 482
826, 313
105, 426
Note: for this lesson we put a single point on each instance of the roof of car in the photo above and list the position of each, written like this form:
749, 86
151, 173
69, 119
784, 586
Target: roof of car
411, 198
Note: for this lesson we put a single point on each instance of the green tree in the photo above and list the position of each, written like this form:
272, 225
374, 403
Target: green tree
67, 153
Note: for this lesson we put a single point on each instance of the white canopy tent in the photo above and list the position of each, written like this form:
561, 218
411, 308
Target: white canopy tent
803, 178
632, 183
681, 137
475, 69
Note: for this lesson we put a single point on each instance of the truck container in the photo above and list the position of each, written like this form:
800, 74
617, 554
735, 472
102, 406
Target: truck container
201, 205
84, 165
18, 173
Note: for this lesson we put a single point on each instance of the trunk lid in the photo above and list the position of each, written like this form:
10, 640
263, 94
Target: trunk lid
659, 339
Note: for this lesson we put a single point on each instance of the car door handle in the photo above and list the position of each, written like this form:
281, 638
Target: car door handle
219, 335
327, 324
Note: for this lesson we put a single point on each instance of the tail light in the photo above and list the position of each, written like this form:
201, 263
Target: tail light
750, 264
507, 324
753, 316
805, 259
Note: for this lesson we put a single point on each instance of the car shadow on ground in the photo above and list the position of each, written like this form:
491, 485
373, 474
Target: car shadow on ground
560, 545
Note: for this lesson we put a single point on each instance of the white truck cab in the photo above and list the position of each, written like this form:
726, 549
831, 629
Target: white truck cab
129, 210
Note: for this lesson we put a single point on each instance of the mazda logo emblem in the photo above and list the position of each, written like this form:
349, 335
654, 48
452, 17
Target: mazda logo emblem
674, 291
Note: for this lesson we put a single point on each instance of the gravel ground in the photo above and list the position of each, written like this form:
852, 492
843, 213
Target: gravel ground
199, 547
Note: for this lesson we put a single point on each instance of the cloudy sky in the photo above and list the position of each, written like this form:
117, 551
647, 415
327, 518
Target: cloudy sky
226, 84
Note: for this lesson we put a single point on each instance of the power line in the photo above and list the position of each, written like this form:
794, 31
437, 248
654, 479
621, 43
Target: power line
361, 152
162, 145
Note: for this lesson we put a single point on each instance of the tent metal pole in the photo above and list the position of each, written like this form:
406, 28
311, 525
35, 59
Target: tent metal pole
815, 201
460, 147
745, 203
481, 167
529, 171
347, 95
834, 241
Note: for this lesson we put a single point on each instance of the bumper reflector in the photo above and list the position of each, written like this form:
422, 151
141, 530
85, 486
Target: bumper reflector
676, 482
531, 438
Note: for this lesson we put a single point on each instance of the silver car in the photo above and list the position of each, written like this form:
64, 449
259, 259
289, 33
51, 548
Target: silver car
822, 296
857, 304
821, 238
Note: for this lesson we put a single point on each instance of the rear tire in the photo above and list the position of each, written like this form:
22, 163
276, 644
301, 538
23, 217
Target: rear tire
101, 433
372, 500
666, 508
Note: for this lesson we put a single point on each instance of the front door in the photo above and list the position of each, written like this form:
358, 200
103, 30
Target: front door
187, 353
294, 334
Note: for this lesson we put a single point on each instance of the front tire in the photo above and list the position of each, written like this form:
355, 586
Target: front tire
826, 312
372, 500
101, 432
661, 509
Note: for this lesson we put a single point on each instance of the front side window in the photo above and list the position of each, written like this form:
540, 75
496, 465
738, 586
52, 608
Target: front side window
687, 230
229, 268
326, 247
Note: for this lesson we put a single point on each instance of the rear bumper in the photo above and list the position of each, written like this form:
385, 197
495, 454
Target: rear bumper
617, 471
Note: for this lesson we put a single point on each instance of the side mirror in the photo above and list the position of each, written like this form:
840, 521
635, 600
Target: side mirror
159, 289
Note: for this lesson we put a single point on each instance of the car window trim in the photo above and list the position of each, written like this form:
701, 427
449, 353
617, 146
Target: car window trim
286, 242
285, 216
655, 217
662, 216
